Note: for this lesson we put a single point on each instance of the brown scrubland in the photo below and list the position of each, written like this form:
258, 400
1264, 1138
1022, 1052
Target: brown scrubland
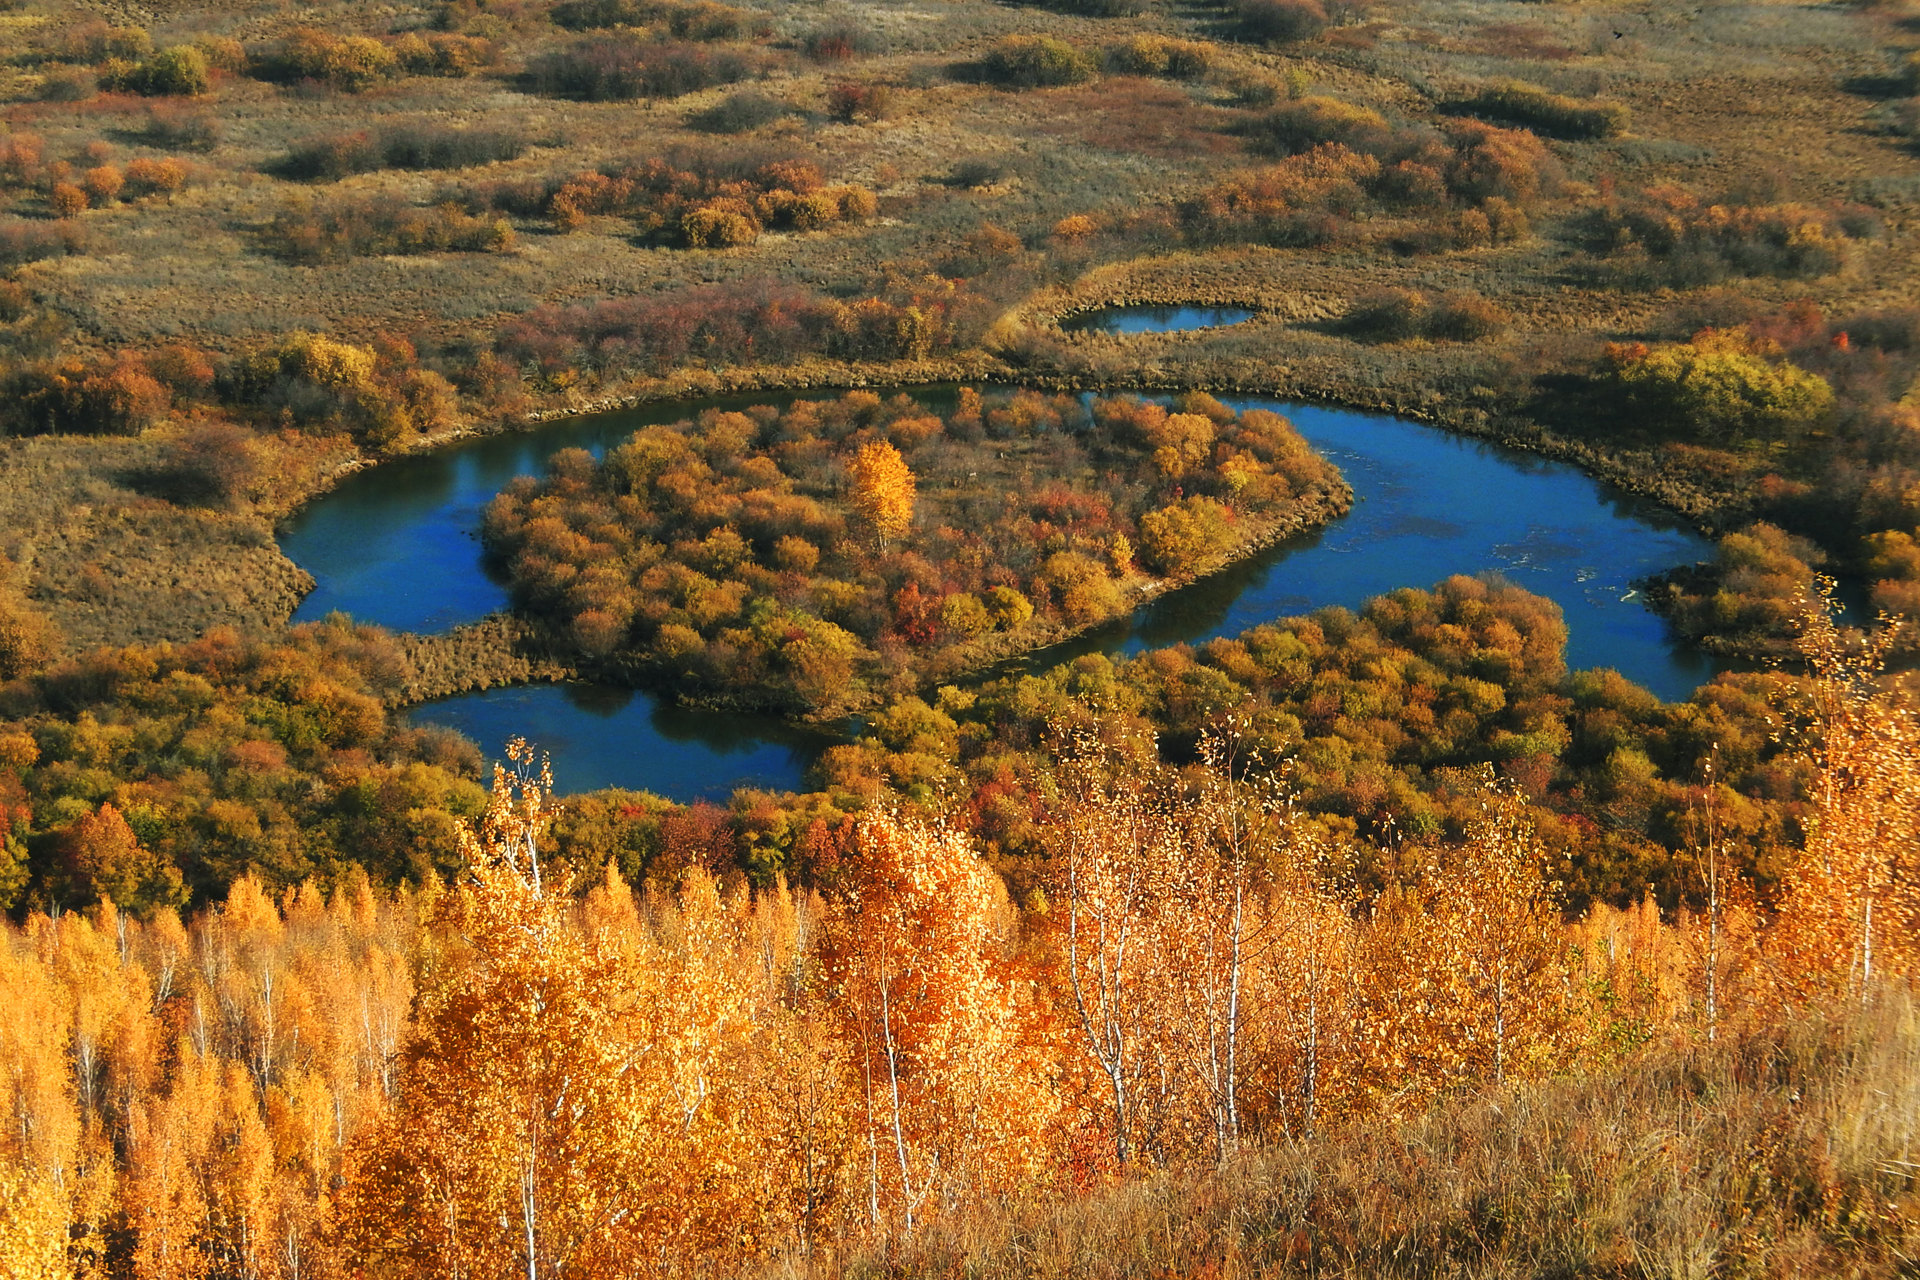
1369, 942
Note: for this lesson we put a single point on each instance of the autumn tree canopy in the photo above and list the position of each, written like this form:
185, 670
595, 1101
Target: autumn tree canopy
881, 489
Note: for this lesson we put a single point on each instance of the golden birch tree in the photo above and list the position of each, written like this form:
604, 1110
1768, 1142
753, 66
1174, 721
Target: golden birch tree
1852, 909
951, 1107
881, 489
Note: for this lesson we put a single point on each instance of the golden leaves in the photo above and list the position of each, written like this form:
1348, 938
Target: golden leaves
881, 490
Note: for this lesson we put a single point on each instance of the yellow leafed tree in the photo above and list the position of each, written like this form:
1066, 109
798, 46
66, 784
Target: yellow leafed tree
575, 1103
953, 1109
1852, 911
882, 490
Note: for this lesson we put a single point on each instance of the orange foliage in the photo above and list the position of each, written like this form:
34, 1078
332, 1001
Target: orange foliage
703, 1081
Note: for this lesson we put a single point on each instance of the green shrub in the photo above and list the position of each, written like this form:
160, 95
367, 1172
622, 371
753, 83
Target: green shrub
179, 71
697, 20
1553, 113
1386, 315
1030, 62
624, 67
740, 112
405, 146
1279, 21
1157, 56
1724, 385
1295, 128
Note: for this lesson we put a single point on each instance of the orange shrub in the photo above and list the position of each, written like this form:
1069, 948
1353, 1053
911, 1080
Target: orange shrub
103, 184
67, 200
155, 177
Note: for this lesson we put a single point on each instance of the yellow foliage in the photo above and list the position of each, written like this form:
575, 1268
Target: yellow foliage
881, 489
1724, 384
338, 366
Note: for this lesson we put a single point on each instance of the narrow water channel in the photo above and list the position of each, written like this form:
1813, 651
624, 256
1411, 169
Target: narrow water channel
1154, 319
397, 546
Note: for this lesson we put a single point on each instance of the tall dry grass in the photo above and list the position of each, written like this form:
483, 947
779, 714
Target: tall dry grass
1788, 1150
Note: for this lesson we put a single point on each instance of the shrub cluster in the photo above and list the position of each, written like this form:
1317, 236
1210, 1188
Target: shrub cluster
735, 555
1809, 418
1750, 600
1669, 236
353, 64
405, 146
1725, 385
108, 395
741, 322
1159, 56
227, 755
1536, 108
23, 241
180, 70
1376, 711
378, 394
625, 66
1471, 180
1893, 568
741, 112
1031, 62
841, 39
695, 200
439, 53
1419, 167
849, 102
1098, 8
66, 84
97, 41
174, 128
69, 189
680, 19
1277, 21
1391, 315
362, 227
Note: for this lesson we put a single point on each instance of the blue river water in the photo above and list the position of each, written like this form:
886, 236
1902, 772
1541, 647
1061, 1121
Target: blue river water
398, 546
1152, 319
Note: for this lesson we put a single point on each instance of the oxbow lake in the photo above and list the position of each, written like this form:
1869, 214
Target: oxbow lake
398, 545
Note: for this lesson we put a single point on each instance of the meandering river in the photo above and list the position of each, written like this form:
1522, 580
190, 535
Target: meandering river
397, 545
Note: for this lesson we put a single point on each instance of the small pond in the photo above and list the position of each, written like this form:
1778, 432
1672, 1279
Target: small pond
396, 546
1154, 319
